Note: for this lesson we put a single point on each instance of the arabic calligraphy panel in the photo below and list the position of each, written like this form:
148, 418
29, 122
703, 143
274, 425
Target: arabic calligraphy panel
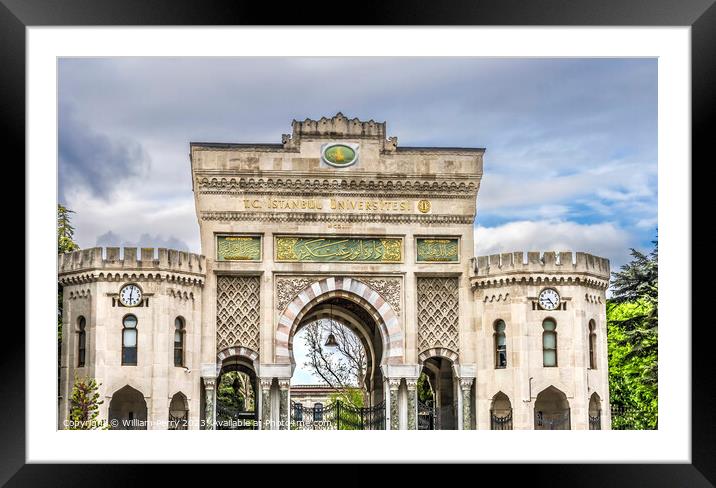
437, 250
339, 249
238, 248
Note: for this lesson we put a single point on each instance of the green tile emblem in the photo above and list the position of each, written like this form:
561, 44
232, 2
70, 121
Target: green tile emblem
339, 155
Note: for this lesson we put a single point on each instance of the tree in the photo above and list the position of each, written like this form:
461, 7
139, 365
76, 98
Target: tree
84, 406
235, 391
344, 367
65, 230
633, 323
425, 389
65, 243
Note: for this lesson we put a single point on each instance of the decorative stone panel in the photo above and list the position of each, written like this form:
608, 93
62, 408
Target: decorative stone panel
389, 289
288, 288
438, 313
237, 311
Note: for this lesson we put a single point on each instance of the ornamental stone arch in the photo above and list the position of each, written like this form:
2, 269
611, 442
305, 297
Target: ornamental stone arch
237, 352
441, 352
121, 382
350, 289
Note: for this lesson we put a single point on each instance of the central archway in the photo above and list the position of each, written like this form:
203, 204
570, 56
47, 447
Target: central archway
361, 310
352, 290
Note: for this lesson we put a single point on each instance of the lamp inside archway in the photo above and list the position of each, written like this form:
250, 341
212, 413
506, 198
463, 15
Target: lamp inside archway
331, 340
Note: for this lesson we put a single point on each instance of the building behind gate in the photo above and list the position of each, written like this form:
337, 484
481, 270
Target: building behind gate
339, 220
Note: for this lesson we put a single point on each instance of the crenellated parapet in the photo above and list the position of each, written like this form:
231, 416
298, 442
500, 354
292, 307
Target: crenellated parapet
95, 263
338, 126
540, 268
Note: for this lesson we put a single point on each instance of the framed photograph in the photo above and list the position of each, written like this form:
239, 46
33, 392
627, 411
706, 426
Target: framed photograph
449, 226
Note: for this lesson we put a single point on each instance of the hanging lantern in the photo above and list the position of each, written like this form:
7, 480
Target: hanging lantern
331, 341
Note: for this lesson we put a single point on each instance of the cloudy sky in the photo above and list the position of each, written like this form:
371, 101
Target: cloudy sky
571, 161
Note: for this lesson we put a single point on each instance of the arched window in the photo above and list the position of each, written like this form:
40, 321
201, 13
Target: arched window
500, 345
318, 412
549, 343
595, 412
501, 412
179, 341
552, 410
592, 345
129, 340
81, 341
178, 413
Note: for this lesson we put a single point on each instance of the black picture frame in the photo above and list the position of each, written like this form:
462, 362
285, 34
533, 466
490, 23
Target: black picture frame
700, 15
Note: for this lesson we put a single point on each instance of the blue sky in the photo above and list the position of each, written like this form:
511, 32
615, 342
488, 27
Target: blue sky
571, 160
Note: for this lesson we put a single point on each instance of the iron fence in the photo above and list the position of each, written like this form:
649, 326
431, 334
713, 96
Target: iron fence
503, 422
337, 415
552, 420
180, 422
228, 418
426, 415
630, 418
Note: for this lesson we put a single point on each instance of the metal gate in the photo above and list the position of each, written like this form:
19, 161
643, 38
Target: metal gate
426, 415
503, 422
337, 415
552, 420
228, 418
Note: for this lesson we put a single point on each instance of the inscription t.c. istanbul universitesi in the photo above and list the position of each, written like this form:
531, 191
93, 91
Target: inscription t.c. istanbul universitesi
340, 204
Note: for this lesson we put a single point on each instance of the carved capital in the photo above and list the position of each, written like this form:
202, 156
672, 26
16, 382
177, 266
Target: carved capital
466, 383
394, 384
209, 382
265, 383
284, 384
412, 383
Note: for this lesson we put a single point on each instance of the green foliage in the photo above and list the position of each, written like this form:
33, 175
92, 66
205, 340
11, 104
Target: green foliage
632, 338
349, 396
84, 406
65, 243
425, 392
65, 230
235, 391
349, 418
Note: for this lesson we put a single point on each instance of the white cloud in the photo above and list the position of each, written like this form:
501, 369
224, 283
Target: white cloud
602, 239
134, 218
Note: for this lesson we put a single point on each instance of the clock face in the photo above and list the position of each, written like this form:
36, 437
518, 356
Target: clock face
548, 299
130, 295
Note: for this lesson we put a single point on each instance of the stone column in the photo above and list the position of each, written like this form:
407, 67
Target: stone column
283, 385
265, 403
466, 387
394, 384
412, 403
209, 402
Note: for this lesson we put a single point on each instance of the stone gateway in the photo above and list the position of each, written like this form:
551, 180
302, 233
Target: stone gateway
338, 220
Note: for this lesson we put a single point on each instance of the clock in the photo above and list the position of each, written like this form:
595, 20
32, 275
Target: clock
548, 299
130, 295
